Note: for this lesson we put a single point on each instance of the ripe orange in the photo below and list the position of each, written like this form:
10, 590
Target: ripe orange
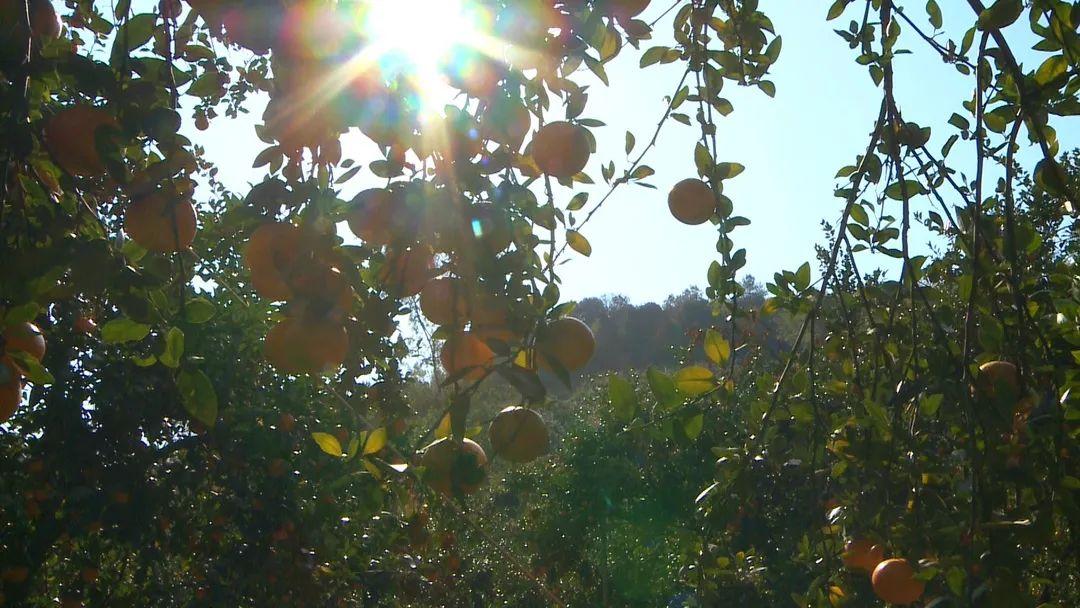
997, 378
406, 272
506, 122
489, 226
10, 388
568, 341
443, 302
270, 256
626, 9
561, 149
692, 201
70, 136
44, 25
465, 351
371, 216
894, 581
25, 337
84, 324
296, 122
254, 28
161, 225
454, 468
321, 292
44, 21
862, 554
519, 434
312, 346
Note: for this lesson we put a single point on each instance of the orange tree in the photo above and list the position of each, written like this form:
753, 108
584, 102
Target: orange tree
202, 392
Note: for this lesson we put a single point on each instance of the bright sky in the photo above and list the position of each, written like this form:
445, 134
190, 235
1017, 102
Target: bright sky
791, 146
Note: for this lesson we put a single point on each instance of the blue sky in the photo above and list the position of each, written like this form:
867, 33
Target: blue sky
791, 145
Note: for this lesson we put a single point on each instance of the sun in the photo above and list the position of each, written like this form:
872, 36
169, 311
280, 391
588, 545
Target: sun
419, 38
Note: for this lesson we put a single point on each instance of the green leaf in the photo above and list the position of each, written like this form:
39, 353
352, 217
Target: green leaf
1051, 177
197, 393
578, 243
134, 33
199, 310
694, 380
933, 11
802, 276
32, 369
629, 142
693, 426
728, 170
703, 160
174, 348
1000, 14
578, 201
878, 416
1053, 68
622, 397
858, 213
717, 349
898, 189
119, 331
836, 9
662, 387
375, 441
22, 313
329, 444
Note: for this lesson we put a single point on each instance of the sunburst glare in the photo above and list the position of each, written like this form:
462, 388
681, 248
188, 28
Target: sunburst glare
419, 38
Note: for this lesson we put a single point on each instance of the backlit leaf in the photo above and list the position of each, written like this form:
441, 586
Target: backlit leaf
328, 443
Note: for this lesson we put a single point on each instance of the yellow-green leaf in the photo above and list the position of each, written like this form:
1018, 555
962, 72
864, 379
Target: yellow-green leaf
375, 441
328, 443
717, 348
694, 380
578, 243
443, 430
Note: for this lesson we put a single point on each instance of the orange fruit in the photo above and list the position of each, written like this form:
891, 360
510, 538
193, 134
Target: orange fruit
371, 216
161, 225
312, 346
270, 257
997, 378
252, 27
25, 337
70, 137
894, 582
85, 325
561, 149
500, 333
321, 291
506, 122
626, 9
692, 201
405, 273
453, 468
287, 422
443, 302
567, 341
44, 20
489, 226
464, 351
862, 554
297, 122
44, 25
518, 434
10, 388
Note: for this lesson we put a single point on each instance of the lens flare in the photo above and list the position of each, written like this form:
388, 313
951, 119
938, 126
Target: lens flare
420, 39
